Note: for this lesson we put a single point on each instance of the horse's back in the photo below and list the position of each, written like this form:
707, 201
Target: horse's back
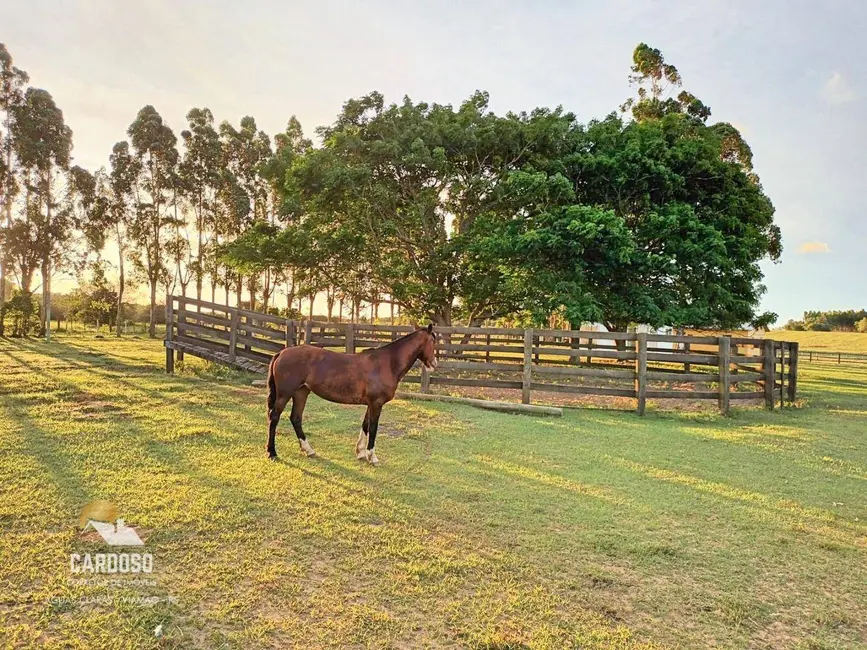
334, 376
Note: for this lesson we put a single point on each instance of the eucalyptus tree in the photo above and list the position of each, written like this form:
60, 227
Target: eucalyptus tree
289, 147
200, 170
120, 210
246, 151
231, 217
12, 83
43, 145
154, 147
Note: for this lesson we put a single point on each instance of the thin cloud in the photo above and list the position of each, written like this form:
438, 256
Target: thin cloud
837, 90
812, 247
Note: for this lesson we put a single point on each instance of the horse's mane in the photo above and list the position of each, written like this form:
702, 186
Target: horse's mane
393, 343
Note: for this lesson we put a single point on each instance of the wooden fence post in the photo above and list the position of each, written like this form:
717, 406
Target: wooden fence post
350, 338
290, 332
233, 334
783, 346
425, 379
170, 353
641, 371
793, 372
687, 367
589, 351
308, 332
182, 315
769, 366
488, 344
725, 353
526, 379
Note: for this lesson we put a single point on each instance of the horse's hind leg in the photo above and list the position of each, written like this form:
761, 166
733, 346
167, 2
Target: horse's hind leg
299, 400
373, 412
361, 445
273, 419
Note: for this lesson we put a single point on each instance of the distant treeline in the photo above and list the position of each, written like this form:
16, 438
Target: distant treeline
830, 321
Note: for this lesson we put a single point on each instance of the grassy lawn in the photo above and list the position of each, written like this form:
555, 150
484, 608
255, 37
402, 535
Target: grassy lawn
480, 530
834, 341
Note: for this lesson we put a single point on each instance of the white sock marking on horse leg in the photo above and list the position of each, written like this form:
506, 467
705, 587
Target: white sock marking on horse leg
361, 446
371, 456
306, 448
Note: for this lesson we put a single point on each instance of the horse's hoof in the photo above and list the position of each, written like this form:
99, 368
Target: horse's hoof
307, 449
371, 457
272, 456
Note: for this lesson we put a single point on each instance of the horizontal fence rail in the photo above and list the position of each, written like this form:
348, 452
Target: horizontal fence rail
828, 356
543, 361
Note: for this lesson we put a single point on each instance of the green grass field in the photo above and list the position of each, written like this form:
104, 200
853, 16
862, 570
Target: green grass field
833, 341
482, 530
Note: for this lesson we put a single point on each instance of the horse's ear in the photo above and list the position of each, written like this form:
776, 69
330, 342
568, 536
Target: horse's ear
430, 328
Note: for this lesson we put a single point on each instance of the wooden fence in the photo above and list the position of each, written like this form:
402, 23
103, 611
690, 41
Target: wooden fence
612, 364
828, 356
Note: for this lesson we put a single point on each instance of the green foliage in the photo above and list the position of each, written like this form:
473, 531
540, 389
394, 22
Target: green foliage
830, 321
453, 213
684, 231
94, 301
861, 325
22, 308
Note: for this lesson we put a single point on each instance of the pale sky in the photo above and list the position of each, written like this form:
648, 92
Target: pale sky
791, 76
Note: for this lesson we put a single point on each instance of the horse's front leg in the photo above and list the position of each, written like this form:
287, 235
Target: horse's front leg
361, 445
373, 412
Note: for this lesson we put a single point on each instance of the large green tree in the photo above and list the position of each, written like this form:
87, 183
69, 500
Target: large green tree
119, 210
399, 188
200, 171
43, 144
246, 151
684, 221
154, 146
12, 83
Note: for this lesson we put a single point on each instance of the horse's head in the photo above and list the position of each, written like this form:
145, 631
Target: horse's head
428, 353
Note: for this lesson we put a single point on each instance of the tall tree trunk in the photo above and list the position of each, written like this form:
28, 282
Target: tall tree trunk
46, 264
329, 300
310, 307
240, 289
266, 290
152, 323
391, 302
121, 281
7, 205
199, 270
46, 299
252, 286
340, 310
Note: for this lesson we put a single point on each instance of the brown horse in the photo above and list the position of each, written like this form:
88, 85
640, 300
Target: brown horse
369, 377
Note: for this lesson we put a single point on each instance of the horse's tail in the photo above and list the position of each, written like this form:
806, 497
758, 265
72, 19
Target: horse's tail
272, 386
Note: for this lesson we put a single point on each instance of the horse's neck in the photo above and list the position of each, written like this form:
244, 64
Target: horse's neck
406, 353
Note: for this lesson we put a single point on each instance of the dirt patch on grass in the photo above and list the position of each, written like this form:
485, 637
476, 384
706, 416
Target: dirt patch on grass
90, 409
587, 401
